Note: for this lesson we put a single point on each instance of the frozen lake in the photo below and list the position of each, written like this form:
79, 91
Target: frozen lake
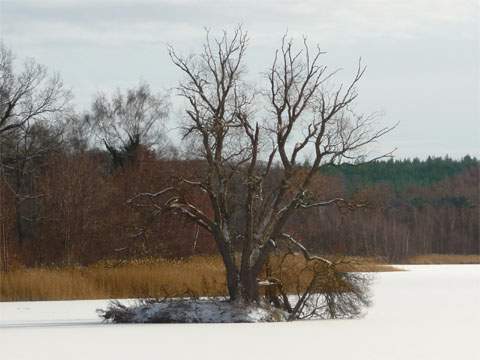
427, 312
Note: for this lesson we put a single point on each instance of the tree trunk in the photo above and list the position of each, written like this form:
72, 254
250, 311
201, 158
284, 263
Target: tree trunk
232, 280
242, 286
249, 286
222, 238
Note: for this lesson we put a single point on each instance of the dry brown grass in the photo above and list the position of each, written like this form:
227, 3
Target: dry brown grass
199, 275
295, 273
443, 259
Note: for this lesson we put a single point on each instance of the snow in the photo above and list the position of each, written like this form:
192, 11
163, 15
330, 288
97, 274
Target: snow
203, 310
427, 312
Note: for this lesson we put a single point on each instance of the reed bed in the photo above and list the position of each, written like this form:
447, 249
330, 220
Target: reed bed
146, 278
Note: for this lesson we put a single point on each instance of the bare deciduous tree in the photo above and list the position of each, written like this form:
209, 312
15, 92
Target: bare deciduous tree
127, 120
299, 118
31, 100
31, 94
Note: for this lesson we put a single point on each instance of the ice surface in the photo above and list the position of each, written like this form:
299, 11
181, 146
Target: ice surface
428, 312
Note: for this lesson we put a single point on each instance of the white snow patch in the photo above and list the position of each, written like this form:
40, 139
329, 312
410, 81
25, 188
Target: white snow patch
203, 310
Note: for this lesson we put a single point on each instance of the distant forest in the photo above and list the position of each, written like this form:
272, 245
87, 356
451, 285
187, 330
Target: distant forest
400, 174
415, 207
69, 205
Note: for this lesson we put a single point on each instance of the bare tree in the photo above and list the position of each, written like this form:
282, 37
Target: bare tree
31, 101
29, 95
299, 118
127, 120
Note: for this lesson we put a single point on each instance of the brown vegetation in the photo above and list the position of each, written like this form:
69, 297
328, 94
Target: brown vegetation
443, 259
198, 275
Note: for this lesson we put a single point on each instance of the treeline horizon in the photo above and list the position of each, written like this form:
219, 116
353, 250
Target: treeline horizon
74, 208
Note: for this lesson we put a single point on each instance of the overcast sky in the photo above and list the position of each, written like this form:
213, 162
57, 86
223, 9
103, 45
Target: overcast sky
422, 55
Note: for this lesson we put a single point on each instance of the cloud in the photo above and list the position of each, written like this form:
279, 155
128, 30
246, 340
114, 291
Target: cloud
136, 21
